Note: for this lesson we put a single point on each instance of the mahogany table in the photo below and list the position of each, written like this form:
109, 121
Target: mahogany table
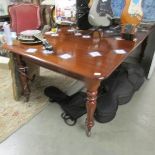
90, 60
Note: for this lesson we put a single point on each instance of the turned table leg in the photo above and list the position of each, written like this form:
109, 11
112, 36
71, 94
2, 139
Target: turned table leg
92, 87
23, 75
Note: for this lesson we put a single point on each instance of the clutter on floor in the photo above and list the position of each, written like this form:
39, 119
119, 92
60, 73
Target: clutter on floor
116, 90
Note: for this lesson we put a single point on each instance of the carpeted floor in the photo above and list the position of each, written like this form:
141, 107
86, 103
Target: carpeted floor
14, 114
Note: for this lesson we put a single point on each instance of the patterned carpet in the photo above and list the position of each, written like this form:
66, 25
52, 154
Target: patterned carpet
14, 114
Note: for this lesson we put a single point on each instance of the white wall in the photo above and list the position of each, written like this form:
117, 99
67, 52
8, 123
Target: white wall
4, 7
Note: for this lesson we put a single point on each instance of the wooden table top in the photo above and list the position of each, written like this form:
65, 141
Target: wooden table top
81, 65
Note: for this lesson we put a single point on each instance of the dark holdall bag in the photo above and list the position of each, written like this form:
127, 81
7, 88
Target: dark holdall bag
130, 79
135, 74
107, 103
106, 108
56, 95
118, 89
123, 90
73, 106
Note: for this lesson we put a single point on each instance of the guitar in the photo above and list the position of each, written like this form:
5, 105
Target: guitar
83, 7
100, 13
131, 16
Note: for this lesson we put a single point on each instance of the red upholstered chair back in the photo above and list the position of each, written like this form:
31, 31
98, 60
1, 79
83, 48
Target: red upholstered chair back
25, 16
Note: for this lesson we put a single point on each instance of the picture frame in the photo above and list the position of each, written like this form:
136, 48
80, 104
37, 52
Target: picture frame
65, 12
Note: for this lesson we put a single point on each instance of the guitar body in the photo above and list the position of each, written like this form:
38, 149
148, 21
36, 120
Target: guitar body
131, 16
83, 7
100, 13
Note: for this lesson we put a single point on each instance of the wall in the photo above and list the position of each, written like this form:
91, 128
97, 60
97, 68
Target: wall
3, 7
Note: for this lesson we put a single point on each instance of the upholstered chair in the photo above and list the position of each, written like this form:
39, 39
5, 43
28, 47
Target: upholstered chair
24, 16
